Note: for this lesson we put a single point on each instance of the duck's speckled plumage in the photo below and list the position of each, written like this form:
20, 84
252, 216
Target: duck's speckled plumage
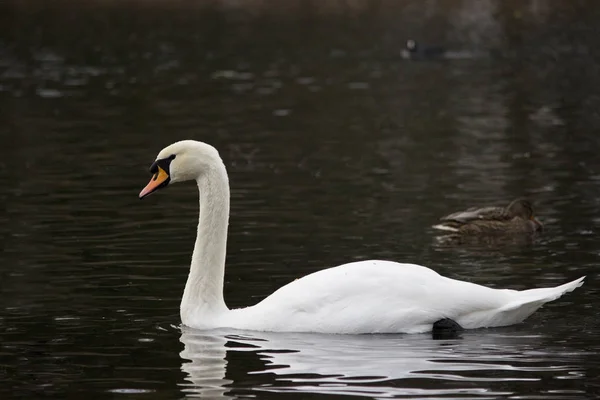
517, 217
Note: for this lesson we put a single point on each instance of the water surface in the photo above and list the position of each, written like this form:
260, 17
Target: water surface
338, 149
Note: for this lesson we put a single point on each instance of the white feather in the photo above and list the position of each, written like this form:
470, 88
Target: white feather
383, 296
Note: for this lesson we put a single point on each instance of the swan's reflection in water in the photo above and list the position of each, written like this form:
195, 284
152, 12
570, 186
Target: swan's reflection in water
206, 366
380, 366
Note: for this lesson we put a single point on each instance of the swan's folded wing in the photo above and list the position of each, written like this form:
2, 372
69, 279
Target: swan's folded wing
368, 297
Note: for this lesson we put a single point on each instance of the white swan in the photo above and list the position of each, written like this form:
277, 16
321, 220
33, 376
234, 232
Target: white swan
360, 297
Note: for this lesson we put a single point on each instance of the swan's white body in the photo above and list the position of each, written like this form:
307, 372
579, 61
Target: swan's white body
361, 297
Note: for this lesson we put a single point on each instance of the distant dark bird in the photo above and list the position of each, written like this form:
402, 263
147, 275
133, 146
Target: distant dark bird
414, 51
516, 218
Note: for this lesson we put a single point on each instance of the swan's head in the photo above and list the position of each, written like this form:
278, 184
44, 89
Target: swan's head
182, 161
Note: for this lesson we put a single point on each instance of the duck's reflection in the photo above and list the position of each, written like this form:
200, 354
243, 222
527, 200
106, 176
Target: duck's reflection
370, 365
484, 241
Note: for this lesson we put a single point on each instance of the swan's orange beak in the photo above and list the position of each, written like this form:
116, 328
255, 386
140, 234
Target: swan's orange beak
159, 179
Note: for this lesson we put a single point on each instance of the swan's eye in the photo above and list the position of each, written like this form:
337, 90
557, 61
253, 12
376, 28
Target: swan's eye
162, 163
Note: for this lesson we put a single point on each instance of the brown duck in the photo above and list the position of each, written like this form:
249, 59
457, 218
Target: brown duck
516, 218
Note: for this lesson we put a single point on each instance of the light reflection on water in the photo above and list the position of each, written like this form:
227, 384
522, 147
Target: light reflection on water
478, 364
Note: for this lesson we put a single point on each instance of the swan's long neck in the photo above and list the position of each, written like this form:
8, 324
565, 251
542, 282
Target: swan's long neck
202, 299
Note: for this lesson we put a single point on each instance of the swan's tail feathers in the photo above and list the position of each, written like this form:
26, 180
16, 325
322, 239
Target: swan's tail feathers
528, 301
549, 294
524, 304
443, 227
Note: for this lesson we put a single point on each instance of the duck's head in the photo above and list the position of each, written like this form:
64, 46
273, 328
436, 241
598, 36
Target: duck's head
523, 209
181, 161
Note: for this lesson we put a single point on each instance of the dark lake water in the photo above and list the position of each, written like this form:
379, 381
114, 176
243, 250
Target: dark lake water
338, 149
